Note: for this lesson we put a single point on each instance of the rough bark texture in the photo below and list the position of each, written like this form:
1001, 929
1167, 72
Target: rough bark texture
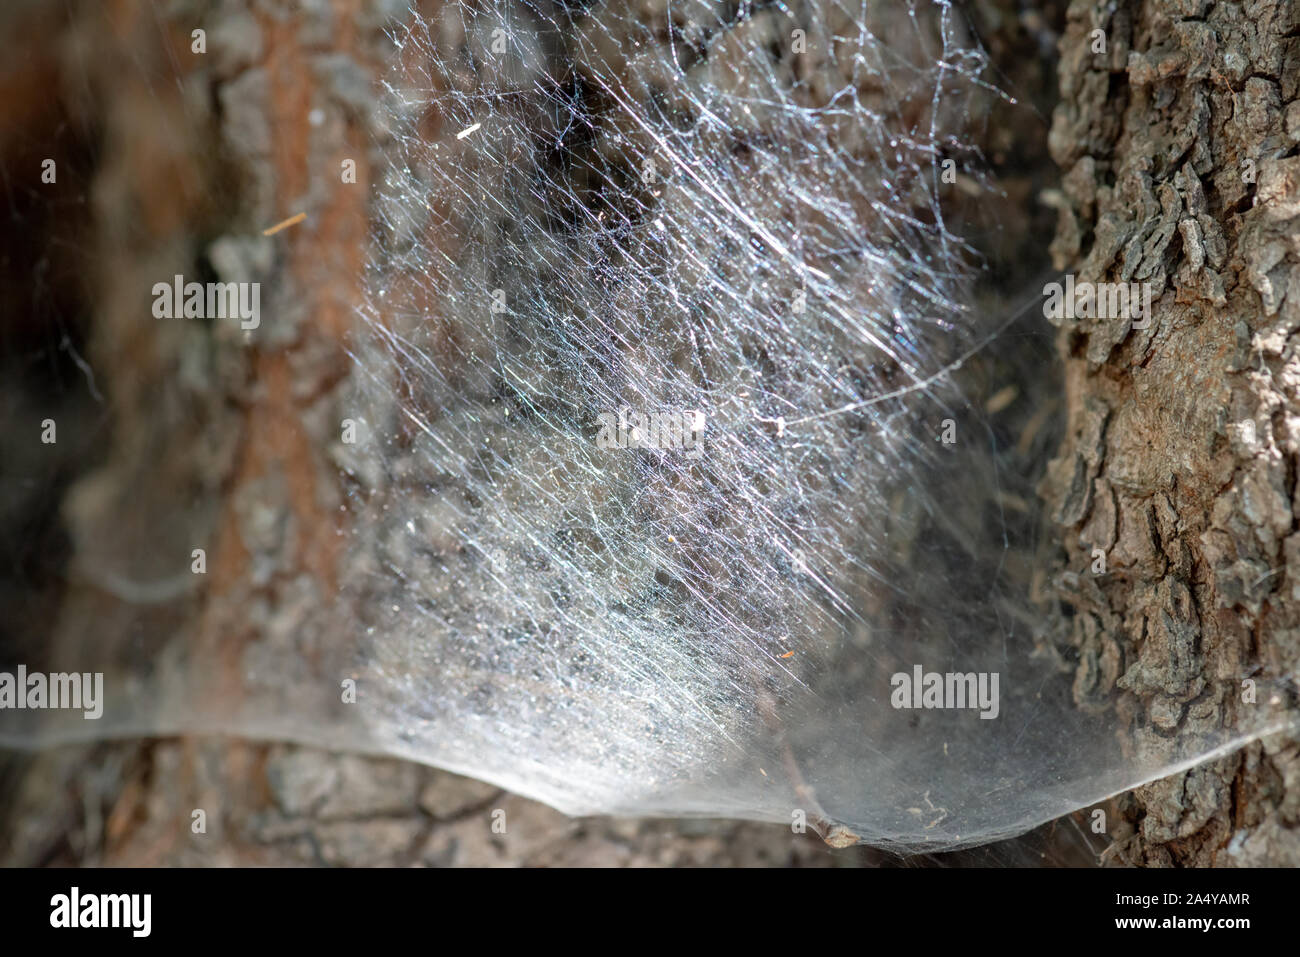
1178, 148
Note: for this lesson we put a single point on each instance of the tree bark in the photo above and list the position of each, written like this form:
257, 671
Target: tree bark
1176, 147
1178, 151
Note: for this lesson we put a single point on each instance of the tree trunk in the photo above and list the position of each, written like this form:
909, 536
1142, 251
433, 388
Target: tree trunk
1177, 145
1178, 462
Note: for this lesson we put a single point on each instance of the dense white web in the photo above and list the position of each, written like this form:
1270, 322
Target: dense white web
719, 209
735, 210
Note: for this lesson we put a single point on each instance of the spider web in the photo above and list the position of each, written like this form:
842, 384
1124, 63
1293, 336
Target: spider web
745, 216
736, 209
